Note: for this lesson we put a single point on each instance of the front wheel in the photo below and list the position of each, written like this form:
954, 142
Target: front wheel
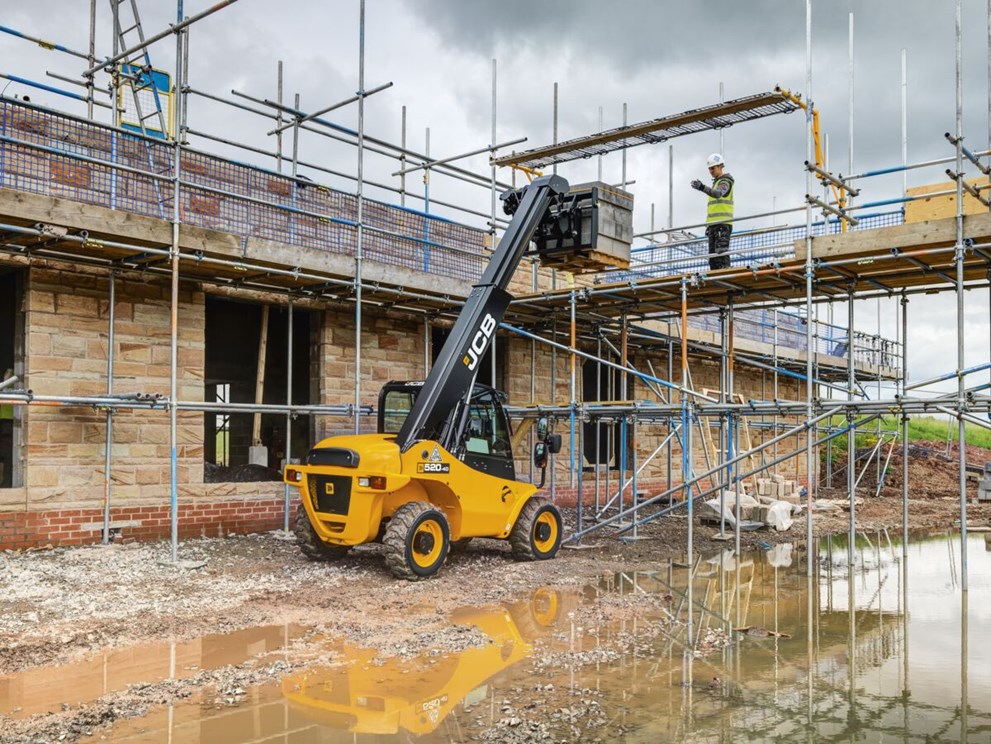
536, 536
312, 546
416, 541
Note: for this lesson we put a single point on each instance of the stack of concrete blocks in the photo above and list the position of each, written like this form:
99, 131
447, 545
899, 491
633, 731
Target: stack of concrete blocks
984, 487
749, 508
777, 488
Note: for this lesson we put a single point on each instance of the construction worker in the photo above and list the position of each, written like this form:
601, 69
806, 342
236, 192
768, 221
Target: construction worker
719, 217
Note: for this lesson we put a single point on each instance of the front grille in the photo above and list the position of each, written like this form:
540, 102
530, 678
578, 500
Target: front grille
331, 494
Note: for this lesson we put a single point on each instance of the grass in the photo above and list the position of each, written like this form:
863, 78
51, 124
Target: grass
923, 428
223, 447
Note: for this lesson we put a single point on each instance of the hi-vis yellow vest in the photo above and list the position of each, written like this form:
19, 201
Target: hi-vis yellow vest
721, 209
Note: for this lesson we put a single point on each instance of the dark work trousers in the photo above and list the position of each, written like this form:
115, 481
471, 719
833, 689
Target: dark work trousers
718, 245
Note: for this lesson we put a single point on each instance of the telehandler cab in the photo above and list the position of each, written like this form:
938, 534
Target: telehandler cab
440, 470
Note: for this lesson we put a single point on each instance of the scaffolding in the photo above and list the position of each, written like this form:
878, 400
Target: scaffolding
665, 303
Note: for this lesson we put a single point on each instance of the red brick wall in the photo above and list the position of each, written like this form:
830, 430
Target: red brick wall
64, 527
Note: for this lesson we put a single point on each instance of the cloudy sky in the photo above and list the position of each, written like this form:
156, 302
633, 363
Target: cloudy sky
657, 57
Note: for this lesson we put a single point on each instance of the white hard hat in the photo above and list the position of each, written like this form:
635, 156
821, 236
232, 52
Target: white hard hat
714, 159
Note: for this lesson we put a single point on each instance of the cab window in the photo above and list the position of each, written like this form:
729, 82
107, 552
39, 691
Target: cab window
487, 430
395, 409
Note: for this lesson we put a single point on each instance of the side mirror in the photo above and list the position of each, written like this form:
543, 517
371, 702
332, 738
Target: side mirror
553, 443
540, 455
542, 428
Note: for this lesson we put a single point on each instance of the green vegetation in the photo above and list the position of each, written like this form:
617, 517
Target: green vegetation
223, 447
924, 428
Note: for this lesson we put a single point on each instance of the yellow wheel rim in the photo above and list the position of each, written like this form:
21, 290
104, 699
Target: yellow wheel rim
545, 524
545, 606
427, 543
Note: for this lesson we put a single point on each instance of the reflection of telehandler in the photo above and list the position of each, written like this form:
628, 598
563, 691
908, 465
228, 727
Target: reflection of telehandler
415, 695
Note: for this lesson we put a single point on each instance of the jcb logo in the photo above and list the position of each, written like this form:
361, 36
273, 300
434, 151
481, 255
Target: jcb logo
328, 489
478, 343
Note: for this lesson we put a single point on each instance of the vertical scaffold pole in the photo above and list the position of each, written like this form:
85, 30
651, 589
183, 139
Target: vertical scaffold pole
554, 125
624, 151
573, 390
904, 385
279, 89
598, 425
402, 159
110, 413
492, 198
851, 435
599, 177
905, 122
553, 399
360, 217
732, 431
295, 172
426, 347
959, 254
670, 186
621, 480
91, 59
533, 368
809, 270
286, 501
174, 303
686, 448
670, 424
724, 426
492, 194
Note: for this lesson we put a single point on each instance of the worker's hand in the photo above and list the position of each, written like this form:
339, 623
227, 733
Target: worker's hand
697, 185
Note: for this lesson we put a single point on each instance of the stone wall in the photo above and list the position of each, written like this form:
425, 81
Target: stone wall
66, 316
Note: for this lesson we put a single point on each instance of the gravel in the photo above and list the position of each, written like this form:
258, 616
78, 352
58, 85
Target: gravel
60, 605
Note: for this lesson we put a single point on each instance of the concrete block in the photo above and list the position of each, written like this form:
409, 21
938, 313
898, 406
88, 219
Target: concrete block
258, 455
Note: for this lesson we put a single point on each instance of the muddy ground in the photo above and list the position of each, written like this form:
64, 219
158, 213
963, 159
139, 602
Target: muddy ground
60, 605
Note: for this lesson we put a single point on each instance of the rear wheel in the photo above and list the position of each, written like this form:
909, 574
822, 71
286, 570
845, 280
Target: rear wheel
416, 541
536, 536
312, 546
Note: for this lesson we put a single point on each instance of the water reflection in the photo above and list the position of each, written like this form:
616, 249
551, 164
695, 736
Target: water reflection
416, 695
884, 646
47, 689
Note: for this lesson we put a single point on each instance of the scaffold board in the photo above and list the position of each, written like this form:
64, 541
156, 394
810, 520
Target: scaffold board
717, 116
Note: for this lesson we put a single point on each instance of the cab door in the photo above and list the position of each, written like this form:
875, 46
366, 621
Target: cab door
488, 436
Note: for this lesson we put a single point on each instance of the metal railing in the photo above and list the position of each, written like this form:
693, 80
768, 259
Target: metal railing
56, 154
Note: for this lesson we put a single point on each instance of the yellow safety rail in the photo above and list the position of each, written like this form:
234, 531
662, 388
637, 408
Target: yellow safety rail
840, 193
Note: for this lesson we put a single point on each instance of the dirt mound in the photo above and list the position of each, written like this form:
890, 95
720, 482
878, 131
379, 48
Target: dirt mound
933, 471
239, 473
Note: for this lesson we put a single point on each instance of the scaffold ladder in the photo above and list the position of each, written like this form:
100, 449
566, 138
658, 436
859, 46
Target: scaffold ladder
138, 77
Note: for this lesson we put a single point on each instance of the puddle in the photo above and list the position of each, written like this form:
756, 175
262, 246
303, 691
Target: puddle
888, 649
48, 689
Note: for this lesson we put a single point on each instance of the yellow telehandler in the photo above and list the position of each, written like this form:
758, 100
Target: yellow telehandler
440, 469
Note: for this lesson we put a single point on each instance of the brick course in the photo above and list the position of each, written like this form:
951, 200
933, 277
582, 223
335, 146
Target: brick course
67, 527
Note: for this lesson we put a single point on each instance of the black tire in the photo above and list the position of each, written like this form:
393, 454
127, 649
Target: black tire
536, 536
312, 546
417, 541
537, 615
460, 546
